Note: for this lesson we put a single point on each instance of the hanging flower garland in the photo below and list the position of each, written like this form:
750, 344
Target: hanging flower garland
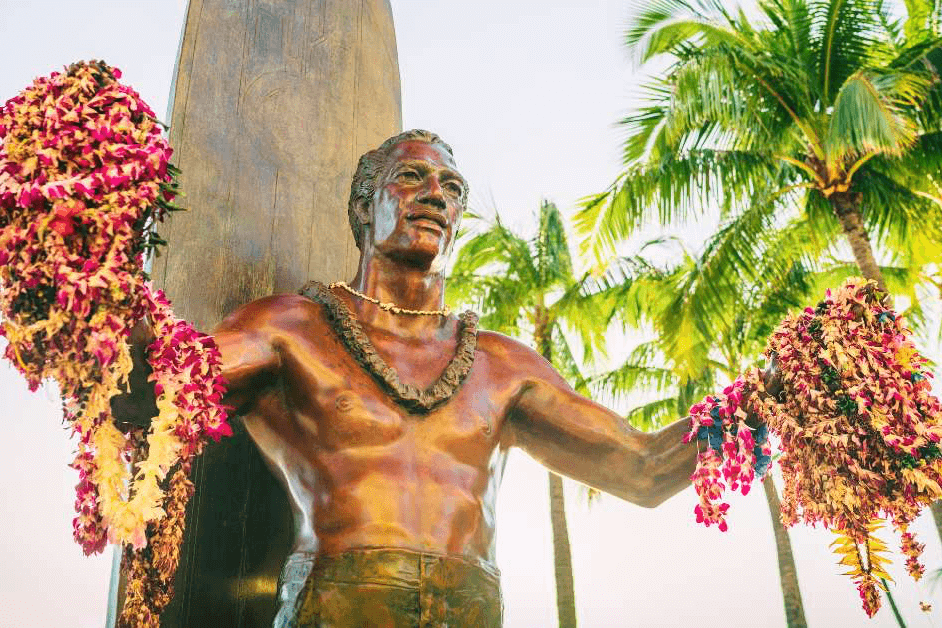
84, 176
859, 427
734, 454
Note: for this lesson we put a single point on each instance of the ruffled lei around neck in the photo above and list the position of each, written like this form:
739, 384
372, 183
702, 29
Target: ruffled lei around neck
358, 344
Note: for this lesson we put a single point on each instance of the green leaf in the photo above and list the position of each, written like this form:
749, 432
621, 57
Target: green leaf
867, 119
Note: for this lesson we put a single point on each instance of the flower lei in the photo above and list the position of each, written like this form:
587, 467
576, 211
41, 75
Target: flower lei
84, 176
859, 427
734, 454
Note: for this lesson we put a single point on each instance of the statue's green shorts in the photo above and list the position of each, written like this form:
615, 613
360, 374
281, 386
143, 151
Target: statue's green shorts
388, 588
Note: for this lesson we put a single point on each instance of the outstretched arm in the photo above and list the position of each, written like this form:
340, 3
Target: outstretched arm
248, 341
581, 439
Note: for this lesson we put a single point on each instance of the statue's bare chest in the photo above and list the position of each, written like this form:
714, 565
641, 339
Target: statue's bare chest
341, 407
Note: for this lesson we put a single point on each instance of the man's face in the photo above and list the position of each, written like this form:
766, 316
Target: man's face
418, 205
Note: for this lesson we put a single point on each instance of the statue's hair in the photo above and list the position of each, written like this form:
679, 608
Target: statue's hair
373, 164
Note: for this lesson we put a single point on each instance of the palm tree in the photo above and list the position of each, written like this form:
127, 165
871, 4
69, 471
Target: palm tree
683, 372
814, 119
528, 286
691, 357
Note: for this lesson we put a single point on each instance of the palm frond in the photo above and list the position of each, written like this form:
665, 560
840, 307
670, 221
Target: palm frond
848, 30
552, 259
867, 117
673, 190
920, 168
565, 361
644, 126
631, 377
665, 24
655, 414
923, 18
901, 219
708, 290
706, 103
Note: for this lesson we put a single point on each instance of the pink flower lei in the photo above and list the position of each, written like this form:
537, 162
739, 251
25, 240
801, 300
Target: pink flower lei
84, 177
859, 427
733, 455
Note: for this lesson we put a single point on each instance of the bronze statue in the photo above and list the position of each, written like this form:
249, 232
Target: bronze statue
388, 420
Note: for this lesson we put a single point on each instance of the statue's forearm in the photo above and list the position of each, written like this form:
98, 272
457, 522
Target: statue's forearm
669, 461
645, 468
584, 440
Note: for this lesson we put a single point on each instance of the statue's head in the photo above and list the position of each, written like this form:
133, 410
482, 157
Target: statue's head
407, 197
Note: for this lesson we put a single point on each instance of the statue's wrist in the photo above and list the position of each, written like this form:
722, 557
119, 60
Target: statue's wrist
714, 437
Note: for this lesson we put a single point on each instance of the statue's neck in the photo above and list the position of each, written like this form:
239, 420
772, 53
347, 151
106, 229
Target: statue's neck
408, 287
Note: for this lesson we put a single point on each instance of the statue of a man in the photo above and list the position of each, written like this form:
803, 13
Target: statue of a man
389, 420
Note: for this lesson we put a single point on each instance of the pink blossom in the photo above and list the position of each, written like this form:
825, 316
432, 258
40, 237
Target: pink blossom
88, 168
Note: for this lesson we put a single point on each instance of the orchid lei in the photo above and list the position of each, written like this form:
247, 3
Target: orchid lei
859, 427
84, 176
734, 455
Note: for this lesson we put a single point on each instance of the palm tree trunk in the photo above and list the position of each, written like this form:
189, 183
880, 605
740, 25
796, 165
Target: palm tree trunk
794, 610
562, 556
562, 553
846, 206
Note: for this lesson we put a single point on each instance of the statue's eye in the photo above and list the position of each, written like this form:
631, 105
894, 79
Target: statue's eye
453, 189
408, 175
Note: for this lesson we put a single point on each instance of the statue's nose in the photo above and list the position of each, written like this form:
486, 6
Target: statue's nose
432, 193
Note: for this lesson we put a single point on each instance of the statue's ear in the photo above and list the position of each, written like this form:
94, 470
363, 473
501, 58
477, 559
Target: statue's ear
362, 210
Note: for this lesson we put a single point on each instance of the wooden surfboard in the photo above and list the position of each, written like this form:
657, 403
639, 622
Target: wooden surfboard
273, 102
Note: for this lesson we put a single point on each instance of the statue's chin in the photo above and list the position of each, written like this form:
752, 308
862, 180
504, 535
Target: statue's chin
425, 253
428, 261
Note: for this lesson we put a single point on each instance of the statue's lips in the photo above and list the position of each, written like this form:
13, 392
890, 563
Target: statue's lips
428, 218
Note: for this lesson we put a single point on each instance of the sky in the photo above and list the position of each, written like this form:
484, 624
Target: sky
543, 84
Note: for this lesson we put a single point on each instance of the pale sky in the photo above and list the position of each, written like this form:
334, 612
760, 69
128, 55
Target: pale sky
542, 84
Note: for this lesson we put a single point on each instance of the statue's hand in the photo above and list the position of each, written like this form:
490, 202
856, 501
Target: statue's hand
772, 378
136, 408
774, 387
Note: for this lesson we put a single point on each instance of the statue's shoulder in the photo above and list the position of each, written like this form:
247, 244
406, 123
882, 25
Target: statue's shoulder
491, 341
277, 311
513, 353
